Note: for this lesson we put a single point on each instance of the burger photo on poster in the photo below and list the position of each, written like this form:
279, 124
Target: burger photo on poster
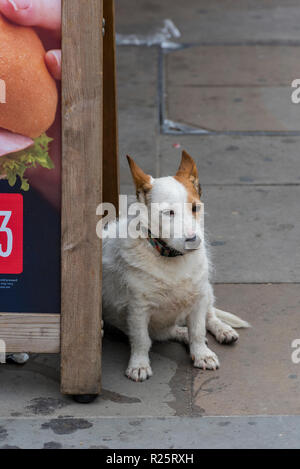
31, 100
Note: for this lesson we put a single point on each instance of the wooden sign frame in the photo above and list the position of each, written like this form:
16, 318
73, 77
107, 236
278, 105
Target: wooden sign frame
89, 157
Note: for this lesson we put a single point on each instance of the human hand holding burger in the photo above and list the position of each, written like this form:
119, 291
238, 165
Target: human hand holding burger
31, 110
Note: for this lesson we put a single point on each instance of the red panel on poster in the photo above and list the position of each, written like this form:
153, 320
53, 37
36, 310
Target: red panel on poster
11, 234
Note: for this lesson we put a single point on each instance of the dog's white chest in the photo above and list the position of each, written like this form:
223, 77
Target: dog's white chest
171, 300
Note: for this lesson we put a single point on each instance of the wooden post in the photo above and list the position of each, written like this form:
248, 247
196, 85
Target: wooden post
82, 114
110, 123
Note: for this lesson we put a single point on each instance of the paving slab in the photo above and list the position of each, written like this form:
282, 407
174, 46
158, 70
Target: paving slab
257, 375
231, 109
232, 88
199, 20
232, 66
254, 233
224, 159
280, 432
138, 108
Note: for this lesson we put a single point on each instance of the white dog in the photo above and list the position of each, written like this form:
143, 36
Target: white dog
152, 286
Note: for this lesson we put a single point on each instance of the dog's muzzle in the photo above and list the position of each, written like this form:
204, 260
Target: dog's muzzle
191, 244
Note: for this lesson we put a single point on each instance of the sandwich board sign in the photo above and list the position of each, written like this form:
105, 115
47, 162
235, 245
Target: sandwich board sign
52, 142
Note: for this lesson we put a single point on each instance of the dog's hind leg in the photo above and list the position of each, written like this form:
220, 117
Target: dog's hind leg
224, 333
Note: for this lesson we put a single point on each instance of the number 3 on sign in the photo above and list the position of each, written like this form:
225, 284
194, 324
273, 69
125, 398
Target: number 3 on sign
11, 234
8, 232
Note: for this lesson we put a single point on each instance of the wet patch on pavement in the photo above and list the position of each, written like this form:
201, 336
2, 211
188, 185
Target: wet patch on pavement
66, 426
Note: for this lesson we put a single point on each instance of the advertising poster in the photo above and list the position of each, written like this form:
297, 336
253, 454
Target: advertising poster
30, 168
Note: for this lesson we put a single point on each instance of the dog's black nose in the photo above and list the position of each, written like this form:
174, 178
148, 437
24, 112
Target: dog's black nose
191, 240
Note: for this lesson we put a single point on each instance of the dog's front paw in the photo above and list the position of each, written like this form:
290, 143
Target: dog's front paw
226, 335
139, 370
205, 359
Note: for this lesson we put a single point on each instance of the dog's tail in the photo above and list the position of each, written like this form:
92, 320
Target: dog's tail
231, 319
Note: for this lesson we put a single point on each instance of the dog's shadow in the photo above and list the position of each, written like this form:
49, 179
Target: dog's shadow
113, 334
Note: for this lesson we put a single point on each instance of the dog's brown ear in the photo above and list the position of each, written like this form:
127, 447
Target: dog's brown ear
142, 180
188, 170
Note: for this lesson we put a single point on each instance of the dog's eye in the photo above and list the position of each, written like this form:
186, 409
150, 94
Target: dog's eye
169, 213
196, 208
